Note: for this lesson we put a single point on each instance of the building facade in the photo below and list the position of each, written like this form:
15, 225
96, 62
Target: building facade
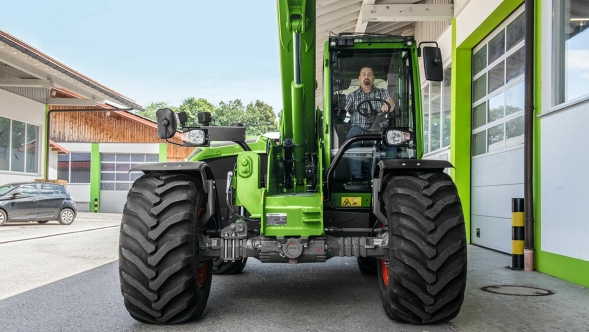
56, 123
483, 54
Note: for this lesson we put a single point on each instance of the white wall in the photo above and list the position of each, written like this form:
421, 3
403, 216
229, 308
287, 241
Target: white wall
19, 108
81, 191
564, 179
52, 163
565, 182
22, 109
76, 147
459, 6
129, 148
472, 16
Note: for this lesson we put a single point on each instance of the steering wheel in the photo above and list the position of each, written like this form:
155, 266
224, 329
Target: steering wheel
371, 110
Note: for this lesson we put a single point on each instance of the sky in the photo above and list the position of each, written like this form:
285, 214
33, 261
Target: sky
159, 51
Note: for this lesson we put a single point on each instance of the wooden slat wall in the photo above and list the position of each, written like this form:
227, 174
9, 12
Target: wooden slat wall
177, 153
97, 126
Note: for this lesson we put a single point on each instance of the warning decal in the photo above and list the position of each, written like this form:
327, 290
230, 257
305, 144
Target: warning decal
275, 218
351, 201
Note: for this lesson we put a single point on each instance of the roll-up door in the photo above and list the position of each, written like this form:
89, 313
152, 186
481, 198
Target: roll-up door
116, 178
497, 135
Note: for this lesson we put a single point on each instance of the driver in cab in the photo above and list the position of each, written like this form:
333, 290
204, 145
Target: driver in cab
367, 90
360, 122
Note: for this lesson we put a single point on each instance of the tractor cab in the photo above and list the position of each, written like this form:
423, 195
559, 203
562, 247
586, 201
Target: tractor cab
389, 130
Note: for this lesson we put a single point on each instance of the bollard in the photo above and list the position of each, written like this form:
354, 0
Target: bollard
517, 233
96, 205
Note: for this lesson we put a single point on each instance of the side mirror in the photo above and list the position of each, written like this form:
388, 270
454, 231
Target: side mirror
166, 123
432, 64
16, 195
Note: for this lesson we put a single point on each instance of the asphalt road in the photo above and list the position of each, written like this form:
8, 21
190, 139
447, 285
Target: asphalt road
52, 281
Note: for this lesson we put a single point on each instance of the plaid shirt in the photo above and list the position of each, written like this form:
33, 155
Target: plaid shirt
354, 99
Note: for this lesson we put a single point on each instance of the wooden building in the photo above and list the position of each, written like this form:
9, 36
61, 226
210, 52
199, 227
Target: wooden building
56, 122
104, 145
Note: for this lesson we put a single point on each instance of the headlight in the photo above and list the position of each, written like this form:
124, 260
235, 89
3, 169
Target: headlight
396, 137
195, 137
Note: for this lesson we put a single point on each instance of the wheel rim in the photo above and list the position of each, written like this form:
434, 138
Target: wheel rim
385, 272
201, 273
67, 216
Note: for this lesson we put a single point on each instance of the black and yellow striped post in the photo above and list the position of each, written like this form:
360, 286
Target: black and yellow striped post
96, 205
517, 233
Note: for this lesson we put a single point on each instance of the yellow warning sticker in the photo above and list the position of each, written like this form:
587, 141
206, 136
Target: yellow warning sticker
351, 201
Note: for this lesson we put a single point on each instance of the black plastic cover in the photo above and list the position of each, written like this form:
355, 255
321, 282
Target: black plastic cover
432, 64
166, 123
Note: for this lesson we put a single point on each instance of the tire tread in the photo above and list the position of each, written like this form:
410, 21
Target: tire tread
427, 267
158, 248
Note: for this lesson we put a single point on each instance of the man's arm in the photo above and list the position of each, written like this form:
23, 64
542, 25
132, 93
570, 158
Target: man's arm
386, 96
384, 106
349, 104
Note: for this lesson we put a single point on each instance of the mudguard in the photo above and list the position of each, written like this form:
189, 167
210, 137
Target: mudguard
206, 174
385, 167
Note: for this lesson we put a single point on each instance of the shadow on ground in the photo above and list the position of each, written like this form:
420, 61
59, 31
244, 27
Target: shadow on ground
333, 296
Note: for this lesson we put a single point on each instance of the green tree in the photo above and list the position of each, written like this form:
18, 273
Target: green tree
149, 111
192, 106
231, 112
259, 118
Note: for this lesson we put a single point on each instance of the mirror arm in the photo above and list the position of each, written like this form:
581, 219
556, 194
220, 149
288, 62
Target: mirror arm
437, 60
166, 123
173, 142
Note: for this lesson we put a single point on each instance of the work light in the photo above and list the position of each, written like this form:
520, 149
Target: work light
396, 137
194, 137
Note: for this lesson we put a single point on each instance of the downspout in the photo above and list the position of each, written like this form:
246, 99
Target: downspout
529, 138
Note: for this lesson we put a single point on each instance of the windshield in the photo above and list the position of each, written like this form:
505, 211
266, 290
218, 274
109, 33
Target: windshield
6, 188
363, 82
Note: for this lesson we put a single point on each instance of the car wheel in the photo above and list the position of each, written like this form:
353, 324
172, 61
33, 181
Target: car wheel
66, 216
3, 217
42, 221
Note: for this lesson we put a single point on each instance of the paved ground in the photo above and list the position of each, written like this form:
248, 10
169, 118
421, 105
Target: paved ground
18, 231
35, 255
69, 282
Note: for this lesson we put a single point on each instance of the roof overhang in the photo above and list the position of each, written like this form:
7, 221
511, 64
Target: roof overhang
57, 148
22, 65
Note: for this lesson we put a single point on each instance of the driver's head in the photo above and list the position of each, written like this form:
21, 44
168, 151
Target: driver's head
366, 77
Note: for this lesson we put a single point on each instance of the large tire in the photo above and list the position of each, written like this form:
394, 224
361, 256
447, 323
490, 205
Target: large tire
163, 281
424, 281
221, 267
367, 265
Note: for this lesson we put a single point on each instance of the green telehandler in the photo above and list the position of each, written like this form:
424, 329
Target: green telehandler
294, 199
